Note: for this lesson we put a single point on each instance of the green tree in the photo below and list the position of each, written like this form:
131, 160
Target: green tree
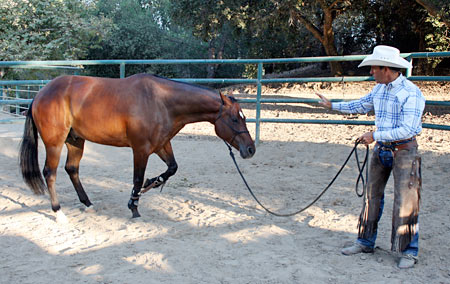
318, 17
47, 30
210, 21
412, 29
143, 30
216, 21
438, 9
151, 29
43, 30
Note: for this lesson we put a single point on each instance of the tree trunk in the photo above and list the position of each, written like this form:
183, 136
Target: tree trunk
433, 10
210, 69
326, 36
328, 39
214, 54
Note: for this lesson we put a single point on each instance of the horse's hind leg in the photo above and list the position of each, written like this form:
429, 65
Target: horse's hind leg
75, 147
53, 154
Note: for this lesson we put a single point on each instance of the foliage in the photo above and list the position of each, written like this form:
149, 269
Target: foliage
143, 31
217, 24
244, 29
46, 30
422, 32
171, 29
437, 41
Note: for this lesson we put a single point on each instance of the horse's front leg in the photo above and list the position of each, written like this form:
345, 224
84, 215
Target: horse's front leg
140, 163
166, 154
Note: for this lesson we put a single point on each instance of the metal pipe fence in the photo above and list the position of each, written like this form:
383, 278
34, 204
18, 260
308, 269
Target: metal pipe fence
19, 103
15, 99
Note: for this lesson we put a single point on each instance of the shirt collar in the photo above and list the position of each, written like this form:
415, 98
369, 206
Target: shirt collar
396, 82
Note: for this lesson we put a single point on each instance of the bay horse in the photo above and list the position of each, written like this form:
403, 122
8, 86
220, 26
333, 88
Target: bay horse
142, 111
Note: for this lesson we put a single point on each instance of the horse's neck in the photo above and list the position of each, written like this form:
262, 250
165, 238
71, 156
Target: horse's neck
196, 108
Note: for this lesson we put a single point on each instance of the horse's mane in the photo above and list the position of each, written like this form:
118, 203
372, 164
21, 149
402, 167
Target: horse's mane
233, 99
185, 83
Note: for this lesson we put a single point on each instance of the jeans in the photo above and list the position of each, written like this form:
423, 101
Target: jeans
411, 249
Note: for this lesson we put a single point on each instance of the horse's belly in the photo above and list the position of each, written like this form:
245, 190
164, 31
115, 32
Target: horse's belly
113, 136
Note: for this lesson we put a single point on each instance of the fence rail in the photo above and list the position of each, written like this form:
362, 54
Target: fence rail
258, 81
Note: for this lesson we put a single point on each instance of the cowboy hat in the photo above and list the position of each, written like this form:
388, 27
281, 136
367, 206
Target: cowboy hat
384, 55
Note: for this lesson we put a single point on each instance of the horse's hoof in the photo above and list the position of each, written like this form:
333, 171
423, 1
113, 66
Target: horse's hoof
90, 209
61, 217
135, 213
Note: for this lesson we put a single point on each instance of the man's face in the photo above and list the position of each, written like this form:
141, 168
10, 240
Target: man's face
378, 73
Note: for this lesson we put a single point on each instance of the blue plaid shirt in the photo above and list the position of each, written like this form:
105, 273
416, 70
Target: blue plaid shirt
398, 109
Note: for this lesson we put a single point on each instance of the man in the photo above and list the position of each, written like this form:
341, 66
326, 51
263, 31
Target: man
398, 105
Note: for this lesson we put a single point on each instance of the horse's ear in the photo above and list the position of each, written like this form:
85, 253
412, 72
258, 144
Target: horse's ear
225, 100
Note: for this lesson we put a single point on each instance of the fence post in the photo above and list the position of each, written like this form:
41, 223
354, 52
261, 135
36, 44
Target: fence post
17, 97
1, 96
122, 70
258, 102
409, 70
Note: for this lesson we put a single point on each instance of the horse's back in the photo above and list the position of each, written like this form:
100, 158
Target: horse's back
98, 109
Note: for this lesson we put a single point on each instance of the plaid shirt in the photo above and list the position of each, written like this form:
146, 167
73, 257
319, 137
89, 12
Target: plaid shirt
398, 109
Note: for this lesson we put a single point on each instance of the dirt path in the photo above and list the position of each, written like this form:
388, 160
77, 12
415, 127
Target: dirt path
204, 227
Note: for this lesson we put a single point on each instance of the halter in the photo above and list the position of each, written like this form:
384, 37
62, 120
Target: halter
235, 132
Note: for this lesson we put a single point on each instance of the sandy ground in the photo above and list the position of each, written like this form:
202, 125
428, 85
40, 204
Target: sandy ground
204, 227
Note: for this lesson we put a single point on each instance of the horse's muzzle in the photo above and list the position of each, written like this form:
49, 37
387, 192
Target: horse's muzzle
247, 151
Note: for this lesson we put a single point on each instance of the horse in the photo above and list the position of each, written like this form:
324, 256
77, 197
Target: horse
141, 111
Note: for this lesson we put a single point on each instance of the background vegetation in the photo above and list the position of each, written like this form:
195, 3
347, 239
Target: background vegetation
169, 29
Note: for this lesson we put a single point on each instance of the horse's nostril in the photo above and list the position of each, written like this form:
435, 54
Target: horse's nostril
251, 150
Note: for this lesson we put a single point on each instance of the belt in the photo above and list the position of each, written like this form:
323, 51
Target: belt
400, 144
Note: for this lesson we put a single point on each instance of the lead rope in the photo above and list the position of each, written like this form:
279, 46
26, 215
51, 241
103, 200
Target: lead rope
360, 178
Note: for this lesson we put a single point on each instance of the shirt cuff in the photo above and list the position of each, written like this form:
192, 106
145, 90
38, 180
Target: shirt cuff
376, 136
335, 106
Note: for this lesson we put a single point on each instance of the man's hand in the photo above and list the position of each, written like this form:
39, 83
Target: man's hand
324, 101
366, 138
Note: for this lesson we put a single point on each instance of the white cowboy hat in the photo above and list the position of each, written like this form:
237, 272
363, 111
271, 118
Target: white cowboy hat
384, 55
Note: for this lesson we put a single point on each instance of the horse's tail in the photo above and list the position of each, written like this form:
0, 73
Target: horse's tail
28, 159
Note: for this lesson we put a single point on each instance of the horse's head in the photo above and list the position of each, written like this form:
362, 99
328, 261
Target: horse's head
230, 126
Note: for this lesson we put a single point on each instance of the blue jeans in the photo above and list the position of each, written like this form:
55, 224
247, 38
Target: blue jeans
412, 248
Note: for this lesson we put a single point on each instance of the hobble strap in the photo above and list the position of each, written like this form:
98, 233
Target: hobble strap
152, 183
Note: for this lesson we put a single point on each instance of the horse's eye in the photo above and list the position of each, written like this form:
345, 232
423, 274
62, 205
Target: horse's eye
234, 119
